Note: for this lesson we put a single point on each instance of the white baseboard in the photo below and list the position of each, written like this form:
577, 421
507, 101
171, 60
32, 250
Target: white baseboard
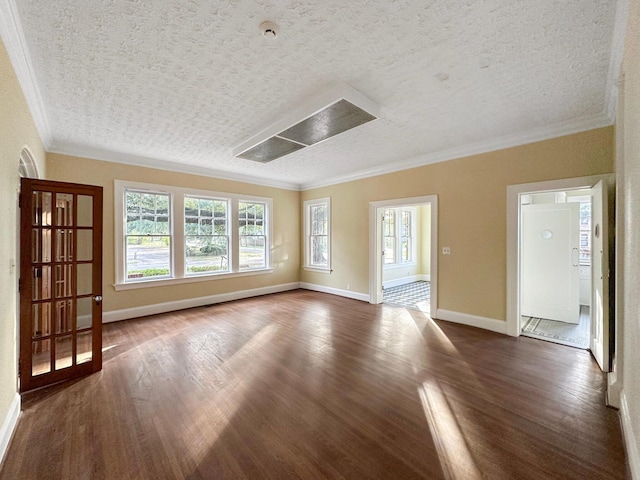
633, 454
404, 280
499, 326
9, 425
143, 311
335, 291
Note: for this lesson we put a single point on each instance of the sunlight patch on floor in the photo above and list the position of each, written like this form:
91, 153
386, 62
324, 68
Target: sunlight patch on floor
455, 457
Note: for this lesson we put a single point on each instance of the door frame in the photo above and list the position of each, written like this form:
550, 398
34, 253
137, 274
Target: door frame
375, 246
513, 235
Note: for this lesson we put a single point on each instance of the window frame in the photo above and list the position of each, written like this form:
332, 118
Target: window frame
307, 205
177, 234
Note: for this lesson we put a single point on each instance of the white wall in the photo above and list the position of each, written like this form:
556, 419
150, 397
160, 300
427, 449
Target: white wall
628, 224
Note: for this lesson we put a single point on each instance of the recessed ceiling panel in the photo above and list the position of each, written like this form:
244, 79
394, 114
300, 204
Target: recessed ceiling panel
336, 118
270, 149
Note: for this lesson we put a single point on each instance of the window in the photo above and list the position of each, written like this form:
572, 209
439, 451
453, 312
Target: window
389, 236
148, 237
317, 218
585, 232
206, 235
399, 232
168, 235
253, 241
405, 236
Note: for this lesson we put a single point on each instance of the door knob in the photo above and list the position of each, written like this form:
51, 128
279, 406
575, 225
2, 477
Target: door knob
98, 299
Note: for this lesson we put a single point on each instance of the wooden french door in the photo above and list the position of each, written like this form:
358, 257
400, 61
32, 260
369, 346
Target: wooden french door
60, 282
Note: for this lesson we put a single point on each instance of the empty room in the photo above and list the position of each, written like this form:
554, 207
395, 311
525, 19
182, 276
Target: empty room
320, 239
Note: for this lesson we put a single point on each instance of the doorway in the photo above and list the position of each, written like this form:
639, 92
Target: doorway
555, 269
403, 253
601, 330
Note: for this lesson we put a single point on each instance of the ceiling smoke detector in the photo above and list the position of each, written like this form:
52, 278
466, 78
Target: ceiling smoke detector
269, 29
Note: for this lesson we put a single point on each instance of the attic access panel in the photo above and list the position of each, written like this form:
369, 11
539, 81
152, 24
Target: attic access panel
270, 149
335, 119
335, 111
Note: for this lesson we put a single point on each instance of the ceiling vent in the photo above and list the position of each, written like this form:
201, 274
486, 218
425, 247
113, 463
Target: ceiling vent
338, 110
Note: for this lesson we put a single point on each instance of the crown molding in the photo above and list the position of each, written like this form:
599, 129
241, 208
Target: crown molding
561, 129
141, 161
615, 59
16, 45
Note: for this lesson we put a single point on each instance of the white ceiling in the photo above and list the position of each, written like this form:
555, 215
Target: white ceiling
179, 83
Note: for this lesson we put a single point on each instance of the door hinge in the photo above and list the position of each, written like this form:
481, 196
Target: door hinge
19, 368
20, 200
19, 285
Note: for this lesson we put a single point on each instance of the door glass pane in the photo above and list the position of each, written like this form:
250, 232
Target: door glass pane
83, 346
85, 245
64, 245
40, 357
84, 306
41, 313
63, 351
63, 280
64, 209
84, 284
41, 208
41, 282
41, 248
64, 316
85, 210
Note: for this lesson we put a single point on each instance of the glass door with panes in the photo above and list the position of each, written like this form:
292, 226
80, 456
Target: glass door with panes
60, 282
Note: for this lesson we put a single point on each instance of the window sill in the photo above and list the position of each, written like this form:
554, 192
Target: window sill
161, 282
318, 269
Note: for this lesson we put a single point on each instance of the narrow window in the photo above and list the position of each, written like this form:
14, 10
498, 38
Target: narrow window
252, 235
148, 235
389, 236
206, 235
317, 219
405, 236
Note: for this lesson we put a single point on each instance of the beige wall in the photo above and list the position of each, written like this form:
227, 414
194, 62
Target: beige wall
628, 183
471, 219
17, 130
286, 248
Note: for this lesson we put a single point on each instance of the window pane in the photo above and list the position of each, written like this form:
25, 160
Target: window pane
207, 254
252, 252
389, 249
148, 256
319, 251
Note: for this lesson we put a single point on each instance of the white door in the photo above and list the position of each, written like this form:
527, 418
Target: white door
600, 276
550, 274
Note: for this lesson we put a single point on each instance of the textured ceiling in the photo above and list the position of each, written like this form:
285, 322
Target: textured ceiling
180, 83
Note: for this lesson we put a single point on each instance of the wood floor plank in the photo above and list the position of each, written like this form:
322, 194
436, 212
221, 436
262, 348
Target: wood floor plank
309, 385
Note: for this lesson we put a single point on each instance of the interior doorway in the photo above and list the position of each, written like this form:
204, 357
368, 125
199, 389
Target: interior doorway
403, 253
601, 235
555, 245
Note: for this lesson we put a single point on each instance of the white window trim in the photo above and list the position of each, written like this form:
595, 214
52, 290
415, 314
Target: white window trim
307, 204
177, 195
398, 243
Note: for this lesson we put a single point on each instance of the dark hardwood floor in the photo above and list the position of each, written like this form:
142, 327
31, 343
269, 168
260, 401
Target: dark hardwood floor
310, 385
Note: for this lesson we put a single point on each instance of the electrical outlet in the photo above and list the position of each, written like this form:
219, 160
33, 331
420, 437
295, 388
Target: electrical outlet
446, 250
348, 286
